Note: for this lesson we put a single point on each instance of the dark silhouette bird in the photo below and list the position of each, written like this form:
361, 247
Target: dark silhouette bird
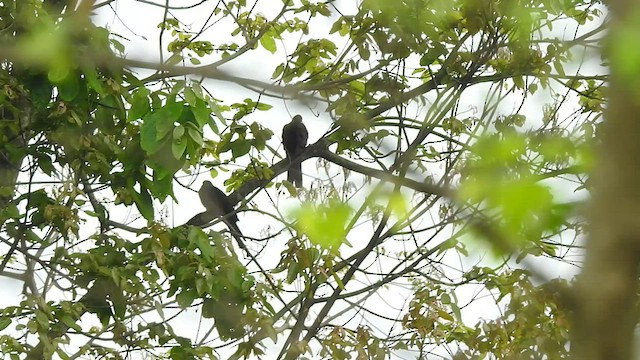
218, 205
294, 139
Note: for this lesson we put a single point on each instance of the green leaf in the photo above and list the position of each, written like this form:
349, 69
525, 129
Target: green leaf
363, 51
178, 132
117, 45
445, 315
271, 332
213, 104
456, 311
185, 298
190, 96
292, 272
557, 65
196, 136
178, 146
518, 81
167, 116
278, 71
197, 236
337, 25
144, 203
94, 83
67, 320
139, 104
337, 279
209, 308
4, 322
45, 163
268, 43
263, 107
157, 125
201, 286
149, 141
164, 163
174, 59
240, 148
201, 113
40, 91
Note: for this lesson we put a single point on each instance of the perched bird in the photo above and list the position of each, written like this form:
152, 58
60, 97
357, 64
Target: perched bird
294, 139
218, 205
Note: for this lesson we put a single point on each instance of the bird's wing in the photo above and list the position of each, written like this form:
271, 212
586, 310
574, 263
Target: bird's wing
226, 208
289, 138
216, 202
303, 136
294, 138
200, 219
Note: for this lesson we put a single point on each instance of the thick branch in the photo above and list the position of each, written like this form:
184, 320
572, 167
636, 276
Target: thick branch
320, 149
606, 292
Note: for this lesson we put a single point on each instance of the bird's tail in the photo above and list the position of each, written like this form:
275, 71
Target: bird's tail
294, 175
237, 234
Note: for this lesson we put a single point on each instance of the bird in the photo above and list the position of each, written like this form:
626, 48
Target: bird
294, 139
217, 205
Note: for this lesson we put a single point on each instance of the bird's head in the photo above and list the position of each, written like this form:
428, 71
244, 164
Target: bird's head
207, 184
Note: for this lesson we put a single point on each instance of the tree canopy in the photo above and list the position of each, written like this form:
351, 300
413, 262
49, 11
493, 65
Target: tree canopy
442, 213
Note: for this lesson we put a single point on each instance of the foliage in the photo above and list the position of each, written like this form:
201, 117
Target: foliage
441, 188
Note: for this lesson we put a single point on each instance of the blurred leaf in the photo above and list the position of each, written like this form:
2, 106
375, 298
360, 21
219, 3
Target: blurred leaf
324, 225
